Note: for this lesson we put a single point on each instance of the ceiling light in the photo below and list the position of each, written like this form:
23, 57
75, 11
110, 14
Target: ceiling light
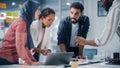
56, 17
68, 3
13, 3
56, 26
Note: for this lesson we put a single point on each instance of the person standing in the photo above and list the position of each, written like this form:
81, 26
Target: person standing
74, 25
112, 25
17, 42
40, 32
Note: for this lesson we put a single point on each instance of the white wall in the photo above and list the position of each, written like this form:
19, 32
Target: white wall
96, 27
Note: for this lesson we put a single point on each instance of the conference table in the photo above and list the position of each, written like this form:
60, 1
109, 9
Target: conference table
95, 65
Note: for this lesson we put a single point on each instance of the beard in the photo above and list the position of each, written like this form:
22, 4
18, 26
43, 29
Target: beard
74, 21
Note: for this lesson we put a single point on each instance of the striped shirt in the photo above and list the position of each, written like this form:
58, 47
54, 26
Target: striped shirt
112, 24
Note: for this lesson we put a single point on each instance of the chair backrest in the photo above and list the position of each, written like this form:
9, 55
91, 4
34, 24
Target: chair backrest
89, 53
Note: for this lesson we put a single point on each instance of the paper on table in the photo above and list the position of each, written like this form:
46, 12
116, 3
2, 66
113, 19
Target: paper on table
82, 61
85, 62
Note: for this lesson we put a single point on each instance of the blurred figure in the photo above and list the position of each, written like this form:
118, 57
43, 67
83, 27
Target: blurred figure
17, 41
40, 32
74, 25
112, 24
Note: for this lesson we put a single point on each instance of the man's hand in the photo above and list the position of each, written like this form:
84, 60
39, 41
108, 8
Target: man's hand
80, 40
62, 48
80, 57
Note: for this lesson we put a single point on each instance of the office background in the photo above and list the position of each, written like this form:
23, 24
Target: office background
10, 8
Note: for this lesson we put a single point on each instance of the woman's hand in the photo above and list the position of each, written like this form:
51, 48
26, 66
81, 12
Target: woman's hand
35, 63
36, 50
45, 52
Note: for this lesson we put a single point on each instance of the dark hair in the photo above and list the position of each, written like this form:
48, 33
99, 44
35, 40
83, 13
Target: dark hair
107, 4
77, 5
47, 11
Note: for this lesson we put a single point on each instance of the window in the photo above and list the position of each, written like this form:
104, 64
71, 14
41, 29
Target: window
101, 11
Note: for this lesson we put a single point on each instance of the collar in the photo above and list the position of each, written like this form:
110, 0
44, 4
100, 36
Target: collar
115, 3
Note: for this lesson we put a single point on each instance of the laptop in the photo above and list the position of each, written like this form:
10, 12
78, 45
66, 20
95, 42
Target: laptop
58, 58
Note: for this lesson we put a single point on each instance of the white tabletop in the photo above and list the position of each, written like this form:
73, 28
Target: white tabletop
25, 66
96, 65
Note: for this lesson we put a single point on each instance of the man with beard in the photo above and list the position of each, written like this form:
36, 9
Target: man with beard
74, 25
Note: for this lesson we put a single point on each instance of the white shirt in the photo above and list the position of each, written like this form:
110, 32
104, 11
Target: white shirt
36, 33
111, 24
74, 34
